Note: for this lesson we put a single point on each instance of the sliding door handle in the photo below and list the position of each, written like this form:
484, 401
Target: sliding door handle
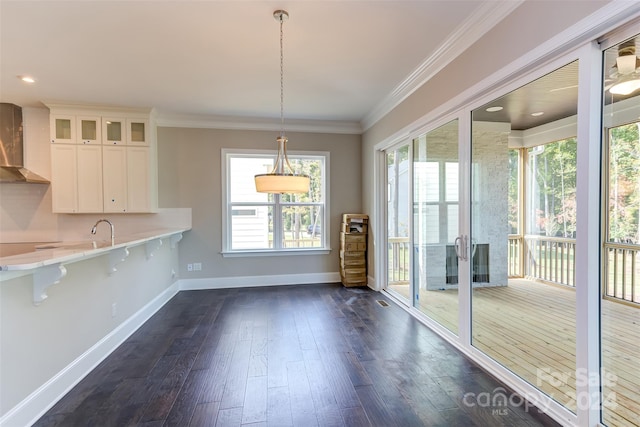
460, 245
456, 245
465, 253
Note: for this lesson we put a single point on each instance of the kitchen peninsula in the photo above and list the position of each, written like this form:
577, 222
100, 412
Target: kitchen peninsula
65, 308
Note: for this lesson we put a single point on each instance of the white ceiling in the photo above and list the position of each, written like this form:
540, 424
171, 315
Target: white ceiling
347, 61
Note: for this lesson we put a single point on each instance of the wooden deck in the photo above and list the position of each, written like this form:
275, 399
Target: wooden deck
530, 328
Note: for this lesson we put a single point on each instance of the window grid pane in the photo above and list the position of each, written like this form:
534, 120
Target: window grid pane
302, 227
299, 218
251, 231
451, 182
452, 223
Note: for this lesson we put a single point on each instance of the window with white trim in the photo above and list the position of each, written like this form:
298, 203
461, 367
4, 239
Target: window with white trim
263, 222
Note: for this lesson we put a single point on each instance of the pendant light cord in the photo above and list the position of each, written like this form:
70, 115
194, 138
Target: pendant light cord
281, 78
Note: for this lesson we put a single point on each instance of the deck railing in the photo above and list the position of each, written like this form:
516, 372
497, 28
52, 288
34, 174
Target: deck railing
622, 274
399, 253
548, 259
514, 257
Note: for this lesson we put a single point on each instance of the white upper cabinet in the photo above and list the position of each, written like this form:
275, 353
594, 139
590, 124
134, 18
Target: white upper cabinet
63, 129
76, 178
64, 178
114, 167
138, 132
138, 179
114, 131
103, 160
89, 178
89, 130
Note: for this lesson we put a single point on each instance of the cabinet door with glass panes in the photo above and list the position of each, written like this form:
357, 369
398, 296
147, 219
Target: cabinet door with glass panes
89, 130
138, 132
63, 129
114, 131
102, 161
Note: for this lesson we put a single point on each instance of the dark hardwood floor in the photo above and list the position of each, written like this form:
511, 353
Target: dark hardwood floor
310, 355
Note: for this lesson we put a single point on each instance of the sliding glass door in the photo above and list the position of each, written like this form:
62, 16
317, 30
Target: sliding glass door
398, 222
523, 223
620, 303
435, 224
507, 247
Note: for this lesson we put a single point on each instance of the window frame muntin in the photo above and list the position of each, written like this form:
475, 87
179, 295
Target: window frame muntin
227, 205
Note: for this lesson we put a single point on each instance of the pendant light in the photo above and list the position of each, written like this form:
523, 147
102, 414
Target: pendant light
282, 178
628, 70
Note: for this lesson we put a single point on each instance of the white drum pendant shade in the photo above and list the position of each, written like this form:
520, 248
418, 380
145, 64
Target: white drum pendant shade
276, 183
282, 178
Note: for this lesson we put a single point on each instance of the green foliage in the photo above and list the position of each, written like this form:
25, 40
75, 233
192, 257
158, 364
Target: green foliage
297, 218
553, 188
624, 183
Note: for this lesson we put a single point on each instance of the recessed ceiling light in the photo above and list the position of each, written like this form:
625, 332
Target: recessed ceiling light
27, 79
494, 109
537, 113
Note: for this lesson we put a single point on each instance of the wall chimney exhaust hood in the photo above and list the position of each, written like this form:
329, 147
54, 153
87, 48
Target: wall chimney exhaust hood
11, 147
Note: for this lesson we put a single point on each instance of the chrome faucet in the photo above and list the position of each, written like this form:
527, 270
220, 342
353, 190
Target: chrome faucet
95, 227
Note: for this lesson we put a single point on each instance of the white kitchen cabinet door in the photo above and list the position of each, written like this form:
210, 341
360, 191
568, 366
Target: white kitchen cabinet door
114, 178
89, 130
114, 131
63, 129
90, 178
138, 132
64, 175
138, 179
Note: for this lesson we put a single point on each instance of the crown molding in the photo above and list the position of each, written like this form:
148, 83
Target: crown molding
164, 119
484, 18
616, 14
92, 108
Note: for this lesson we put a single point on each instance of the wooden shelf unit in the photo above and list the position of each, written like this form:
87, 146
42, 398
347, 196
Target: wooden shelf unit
353, 249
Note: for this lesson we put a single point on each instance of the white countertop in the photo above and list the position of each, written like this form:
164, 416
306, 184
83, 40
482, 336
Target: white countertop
66, 252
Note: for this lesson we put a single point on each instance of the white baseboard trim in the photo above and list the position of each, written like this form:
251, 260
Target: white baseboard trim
371, 283
41, 400
252, 281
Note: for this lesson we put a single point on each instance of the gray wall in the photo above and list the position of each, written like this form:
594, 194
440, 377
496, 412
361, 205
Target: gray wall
189, 162
529, 26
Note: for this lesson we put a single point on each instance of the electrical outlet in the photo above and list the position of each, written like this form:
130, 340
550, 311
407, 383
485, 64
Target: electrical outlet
189, 267
114, 309
197, 266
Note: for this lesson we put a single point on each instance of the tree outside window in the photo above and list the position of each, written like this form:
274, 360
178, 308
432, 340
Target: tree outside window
551, 194
273, 222
624, 184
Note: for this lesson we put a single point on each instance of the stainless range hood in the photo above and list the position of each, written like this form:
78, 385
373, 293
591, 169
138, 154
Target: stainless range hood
11, 147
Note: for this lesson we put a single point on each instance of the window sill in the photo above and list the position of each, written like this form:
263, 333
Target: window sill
283, 252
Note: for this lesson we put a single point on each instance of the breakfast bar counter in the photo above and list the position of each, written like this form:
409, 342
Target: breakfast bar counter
44, 254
